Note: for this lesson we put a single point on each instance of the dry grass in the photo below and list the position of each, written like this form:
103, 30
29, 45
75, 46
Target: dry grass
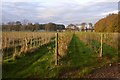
24, 41
63, 42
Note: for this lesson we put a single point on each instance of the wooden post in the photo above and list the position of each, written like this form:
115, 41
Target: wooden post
39, 41
34, 40
15, 51
5, 42
15, 48
7, 46
19, 44
101, 47
22, 46
26, 44
31, 42
56, 50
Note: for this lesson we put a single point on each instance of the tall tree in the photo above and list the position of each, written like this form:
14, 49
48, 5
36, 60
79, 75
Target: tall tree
90, 26
50, 27
83, 26
18, 26
36, 26
108, 24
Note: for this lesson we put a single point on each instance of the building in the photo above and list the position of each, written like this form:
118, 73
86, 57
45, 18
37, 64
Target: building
72, 27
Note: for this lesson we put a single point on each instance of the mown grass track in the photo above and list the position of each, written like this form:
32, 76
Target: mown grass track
78, 60
78, 53
82, 59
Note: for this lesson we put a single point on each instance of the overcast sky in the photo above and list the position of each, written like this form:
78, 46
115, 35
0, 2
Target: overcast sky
57, 11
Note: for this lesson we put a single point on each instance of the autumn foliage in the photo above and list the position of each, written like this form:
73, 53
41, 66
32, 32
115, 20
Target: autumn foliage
108, 24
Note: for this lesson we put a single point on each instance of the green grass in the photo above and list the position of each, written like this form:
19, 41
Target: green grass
38, 64
81, 58
79, 61
108, 51
78, 53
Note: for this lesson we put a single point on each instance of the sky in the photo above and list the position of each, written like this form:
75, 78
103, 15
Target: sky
57, 11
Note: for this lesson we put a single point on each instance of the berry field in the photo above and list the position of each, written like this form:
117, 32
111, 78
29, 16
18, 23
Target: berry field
57, 55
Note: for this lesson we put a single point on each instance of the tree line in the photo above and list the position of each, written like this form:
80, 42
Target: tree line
108, 24
18, 26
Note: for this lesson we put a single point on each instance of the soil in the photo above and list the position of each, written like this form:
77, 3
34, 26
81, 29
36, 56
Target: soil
111, 71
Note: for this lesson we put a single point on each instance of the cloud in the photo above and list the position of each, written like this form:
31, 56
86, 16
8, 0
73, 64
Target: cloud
58, 11
82, 1
110, 12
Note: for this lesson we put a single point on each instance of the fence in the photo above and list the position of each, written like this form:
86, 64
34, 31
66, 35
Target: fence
110, 39
62, 42
17, 46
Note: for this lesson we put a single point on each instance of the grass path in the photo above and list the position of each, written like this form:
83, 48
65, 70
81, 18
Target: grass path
81, 60
79, 53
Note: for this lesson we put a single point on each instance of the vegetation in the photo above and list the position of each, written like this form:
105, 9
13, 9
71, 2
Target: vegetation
108, 24
33, 65
81, 59
79, 56
34, 54
22, 42
18, 26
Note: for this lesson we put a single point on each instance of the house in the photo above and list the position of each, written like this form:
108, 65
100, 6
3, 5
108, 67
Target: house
72, 27
85, 28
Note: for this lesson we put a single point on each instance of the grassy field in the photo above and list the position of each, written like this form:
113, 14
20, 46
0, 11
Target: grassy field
80, 60
37, 64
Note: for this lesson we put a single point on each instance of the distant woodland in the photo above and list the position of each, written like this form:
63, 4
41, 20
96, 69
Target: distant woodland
18, 26
110, 23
